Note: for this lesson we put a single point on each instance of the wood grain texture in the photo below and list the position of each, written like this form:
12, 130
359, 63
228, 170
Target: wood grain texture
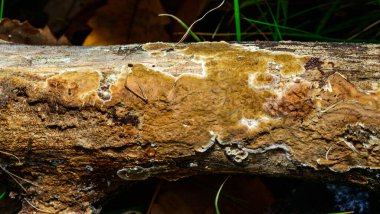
82, 119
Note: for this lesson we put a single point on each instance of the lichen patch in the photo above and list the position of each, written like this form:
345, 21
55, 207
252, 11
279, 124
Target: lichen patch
250, 123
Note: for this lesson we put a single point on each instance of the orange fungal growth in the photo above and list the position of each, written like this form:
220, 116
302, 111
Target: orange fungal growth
263, 80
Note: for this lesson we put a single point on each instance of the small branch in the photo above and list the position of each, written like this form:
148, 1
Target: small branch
34, 207
13, 176
142, 97
6, 153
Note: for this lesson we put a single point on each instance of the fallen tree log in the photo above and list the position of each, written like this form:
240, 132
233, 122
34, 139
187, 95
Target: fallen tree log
78, 121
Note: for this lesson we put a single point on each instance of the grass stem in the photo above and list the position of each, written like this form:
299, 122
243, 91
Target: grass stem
218, 195
192, 34
2, 10
237, 20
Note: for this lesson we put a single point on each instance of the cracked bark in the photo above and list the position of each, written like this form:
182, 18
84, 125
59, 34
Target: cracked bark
84, 119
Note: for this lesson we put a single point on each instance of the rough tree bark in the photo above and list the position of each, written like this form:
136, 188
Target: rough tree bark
82, 119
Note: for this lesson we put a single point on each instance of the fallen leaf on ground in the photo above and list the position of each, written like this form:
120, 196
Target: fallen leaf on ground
24, 33
129, 21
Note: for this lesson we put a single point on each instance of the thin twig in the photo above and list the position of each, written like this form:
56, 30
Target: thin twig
143, 98
154, 197
327, 153
27, 201
217, 28
350, 145
142, 91
364, 30
22, 187
15, 177
23, 179
191, 26
330, 107
6, 153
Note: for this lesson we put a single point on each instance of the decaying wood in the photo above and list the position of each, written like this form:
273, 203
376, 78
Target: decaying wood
82, 119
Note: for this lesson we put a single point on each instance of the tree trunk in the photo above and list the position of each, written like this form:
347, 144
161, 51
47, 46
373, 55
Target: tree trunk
82, 119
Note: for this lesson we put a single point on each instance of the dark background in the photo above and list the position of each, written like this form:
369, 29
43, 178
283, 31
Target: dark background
102, 22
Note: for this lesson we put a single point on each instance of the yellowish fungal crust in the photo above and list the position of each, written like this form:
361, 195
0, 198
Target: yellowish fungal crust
263, 80
223, 98
74, 88
243, 100
172, 110
242, 84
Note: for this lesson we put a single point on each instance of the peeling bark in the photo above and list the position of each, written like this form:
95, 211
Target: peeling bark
82, 119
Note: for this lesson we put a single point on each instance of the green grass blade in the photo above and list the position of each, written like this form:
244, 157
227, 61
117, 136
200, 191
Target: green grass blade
302, 24
279, 26
294, 15
2, 195
327, 16
252, 25
200, 19
277, 35
305, 33
237, 20
353, 22
218, 194
192, 34
282, 5
285, 7
263, 14
278, 6
1, 10
247, 3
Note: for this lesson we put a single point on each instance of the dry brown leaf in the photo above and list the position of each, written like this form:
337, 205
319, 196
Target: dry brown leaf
24, 33
128, 21
61, 13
